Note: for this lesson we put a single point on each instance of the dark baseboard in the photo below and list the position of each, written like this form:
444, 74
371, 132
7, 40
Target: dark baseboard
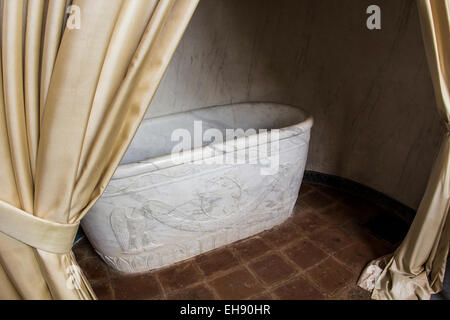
397, 208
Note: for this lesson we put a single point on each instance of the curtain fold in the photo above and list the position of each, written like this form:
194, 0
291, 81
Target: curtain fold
71, 100
417, 267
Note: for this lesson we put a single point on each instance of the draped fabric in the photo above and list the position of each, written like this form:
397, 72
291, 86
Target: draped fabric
416, 269
75, 84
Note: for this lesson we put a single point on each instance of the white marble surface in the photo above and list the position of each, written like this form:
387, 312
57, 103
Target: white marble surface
154, 213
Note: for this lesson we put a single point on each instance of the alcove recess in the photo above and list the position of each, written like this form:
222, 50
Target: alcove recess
369, 91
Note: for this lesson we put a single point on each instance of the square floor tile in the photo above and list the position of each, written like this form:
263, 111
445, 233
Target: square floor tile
308, 222
250, 249
215, 261
298, 289
331, 239
179, 276
138, 287
239, 284
305, 254
281, 235
271, 269
330, 275
356, 256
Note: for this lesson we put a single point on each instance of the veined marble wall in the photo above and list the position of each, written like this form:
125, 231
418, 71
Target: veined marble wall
369, 91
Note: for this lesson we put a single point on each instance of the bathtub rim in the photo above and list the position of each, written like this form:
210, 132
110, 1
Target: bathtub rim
148, 165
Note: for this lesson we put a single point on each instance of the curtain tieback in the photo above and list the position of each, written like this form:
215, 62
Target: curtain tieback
36, 232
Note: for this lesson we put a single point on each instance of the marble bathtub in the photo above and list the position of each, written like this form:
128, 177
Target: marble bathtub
189, 184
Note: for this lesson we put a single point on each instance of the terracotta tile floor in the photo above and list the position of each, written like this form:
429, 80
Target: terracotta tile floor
317, 254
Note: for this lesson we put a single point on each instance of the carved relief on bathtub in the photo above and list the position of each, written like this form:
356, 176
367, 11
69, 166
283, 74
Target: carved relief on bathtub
222, 210
132, 229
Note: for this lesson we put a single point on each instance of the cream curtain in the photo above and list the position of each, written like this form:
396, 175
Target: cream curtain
416, 269
72, 96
